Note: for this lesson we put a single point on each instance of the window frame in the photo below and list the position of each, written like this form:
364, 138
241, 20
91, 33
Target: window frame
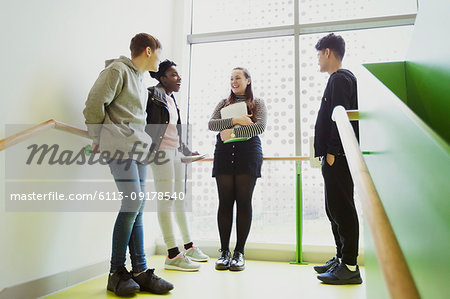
295, 30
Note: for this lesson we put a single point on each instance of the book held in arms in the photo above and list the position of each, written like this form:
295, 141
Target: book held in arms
231, 111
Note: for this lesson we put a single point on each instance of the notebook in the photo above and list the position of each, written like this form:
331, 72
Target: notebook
190, 159
234, 110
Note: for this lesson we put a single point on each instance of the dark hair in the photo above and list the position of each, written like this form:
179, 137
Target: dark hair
141, 41
163, 67
248, 93
333, 42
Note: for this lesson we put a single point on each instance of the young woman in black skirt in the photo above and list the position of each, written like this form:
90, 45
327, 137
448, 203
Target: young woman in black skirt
237, 165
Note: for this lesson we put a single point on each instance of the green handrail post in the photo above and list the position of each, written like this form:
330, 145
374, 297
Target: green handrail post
298, 215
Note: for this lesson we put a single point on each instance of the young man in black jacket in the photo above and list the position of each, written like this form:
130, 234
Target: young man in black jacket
339, 202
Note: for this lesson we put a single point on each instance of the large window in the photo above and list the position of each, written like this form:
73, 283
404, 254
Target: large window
275, 41
272, 71
362, 46
314, 11
214, 16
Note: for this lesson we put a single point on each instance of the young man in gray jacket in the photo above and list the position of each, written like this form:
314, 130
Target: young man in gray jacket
116, 118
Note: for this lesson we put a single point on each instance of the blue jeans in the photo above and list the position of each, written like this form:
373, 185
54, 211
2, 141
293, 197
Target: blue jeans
129, 176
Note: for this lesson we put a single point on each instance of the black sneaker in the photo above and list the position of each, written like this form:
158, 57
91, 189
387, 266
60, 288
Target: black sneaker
149, 282
340, 274
330, 263
121, 284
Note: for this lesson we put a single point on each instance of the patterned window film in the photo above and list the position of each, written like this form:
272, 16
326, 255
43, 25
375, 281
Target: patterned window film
362, 46
219, 15
315, 11
271, 62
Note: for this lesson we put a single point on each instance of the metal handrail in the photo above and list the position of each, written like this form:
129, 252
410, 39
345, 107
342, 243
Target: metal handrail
396, 272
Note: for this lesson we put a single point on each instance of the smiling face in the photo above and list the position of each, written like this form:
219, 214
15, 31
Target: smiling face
239, 82
171, 80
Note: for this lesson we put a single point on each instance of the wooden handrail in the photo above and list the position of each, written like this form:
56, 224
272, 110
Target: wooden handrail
296, 158
396, 272
42, 127
353, 114
53, 124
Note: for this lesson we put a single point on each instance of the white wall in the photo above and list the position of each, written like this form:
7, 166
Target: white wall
52, 52
181, 50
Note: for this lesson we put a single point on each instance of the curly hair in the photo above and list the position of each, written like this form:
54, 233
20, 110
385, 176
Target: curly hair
163, 67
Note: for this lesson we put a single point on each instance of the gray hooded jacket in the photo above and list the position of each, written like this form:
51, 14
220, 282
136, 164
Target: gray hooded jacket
115, 109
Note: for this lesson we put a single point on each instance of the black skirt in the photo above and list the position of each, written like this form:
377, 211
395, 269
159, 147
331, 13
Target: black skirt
240, 157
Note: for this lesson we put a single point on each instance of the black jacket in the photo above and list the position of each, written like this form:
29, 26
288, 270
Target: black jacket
158, 118
341, 89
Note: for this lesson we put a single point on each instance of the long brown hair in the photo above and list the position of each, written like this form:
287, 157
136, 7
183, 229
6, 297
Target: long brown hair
248, 94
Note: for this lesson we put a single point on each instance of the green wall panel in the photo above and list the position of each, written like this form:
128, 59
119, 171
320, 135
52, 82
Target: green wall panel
428, 66
422, 88
428, 89
410, 166
411, 145
392, 74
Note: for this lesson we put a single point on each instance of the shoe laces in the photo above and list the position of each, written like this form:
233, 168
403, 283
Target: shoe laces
151, 274
194, 249
332, 260
333, 268
123, 274
223, 253
186, 259
237, 255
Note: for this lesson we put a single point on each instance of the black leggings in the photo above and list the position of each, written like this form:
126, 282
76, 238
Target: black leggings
239, 188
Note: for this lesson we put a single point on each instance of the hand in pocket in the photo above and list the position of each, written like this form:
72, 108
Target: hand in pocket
330, 159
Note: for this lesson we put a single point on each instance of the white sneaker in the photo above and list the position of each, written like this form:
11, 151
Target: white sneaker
195, 254
181, 263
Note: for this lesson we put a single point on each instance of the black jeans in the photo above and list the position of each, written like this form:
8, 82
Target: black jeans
340, 208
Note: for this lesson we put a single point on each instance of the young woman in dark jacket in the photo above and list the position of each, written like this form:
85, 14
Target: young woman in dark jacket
164, 126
